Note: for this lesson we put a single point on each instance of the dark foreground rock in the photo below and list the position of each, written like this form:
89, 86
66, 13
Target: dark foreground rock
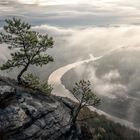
26, 114
32, 116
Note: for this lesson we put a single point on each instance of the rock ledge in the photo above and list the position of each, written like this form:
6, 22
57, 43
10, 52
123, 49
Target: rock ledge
27, 116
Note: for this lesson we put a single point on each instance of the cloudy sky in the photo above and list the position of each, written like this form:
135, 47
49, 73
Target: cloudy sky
74, 12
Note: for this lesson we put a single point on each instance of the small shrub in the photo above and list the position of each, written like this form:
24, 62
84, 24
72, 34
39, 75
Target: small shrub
34, 82
46, 88
31, 80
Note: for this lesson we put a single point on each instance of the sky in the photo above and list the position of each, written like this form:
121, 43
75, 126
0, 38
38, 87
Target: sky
74, 13
59, 2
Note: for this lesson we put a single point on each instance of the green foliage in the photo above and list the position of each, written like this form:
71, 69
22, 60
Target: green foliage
46, 88
29, 46
85, 97
34, 83
83, 93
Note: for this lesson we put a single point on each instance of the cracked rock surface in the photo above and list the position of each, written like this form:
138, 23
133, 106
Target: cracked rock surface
27, 116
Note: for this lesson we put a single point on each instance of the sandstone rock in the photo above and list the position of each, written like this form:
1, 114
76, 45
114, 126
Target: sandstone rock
27, 116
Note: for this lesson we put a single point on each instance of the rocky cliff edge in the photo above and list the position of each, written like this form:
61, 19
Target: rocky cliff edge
28, 115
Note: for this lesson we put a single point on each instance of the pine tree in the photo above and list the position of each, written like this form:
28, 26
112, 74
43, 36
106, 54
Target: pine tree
29, 46
85, 97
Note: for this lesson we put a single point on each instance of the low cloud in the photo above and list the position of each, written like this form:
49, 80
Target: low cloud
52, 30
98, 39
112, 75
103, 85
76, 44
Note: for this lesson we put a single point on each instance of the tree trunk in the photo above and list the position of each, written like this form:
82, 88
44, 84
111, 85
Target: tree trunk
74, 117
72, 132
22, 72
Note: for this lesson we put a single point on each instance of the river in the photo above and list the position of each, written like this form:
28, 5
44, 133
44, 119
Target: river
60, 90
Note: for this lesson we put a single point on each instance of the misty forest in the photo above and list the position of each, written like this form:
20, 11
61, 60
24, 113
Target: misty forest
69, 70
